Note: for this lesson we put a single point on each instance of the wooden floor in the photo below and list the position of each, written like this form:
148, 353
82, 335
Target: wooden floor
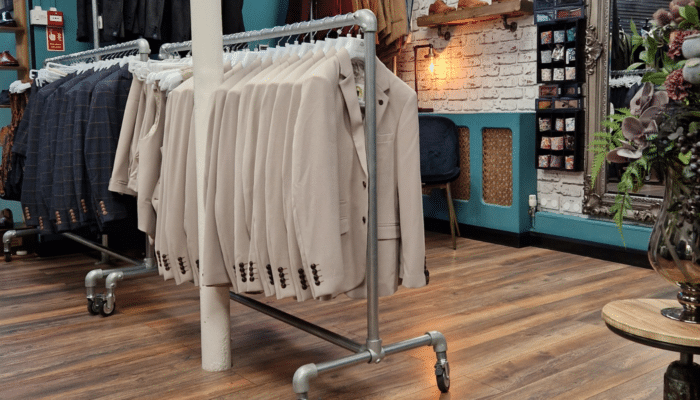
520, 324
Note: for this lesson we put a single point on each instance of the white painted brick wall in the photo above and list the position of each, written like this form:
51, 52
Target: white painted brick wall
479, 55
486, 68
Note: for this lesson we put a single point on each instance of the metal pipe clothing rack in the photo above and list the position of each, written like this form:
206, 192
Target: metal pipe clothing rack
372, 351
99, 303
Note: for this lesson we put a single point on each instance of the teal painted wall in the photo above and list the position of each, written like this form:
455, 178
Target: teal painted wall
475, 211
516, 218
636, 237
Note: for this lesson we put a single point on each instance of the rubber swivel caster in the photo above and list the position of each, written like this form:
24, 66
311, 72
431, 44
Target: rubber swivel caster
95, 305
107, 311
442, 374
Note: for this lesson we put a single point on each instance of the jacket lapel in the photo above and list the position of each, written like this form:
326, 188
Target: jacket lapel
347, 87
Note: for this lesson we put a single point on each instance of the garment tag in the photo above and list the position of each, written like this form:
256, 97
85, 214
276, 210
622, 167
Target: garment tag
358, 69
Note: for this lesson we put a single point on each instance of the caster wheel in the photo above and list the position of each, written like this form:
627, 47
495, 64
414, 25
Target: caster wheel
8, 257
443, 383
442, 374
106, 311
93, 307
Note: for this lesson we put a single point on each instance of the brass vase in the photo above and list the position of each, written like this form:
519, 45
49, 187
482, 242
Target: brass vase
674, 251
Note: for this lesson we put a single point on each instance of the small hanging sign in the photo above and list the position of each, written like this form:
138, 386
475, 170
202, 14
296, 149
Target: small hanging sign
54, 39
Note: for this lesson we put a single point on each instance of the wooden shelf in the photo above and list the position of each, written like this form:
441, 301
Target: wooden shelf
511, 8
15, 68
4, 106
11, 29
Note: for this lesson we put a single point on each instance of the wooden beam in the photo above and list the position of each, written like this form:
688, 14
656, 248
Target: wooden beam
511, 8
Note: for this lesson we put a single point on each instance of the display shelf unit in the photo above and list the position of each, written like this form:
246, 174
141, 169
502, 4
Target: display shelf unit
21, 52
508, 8
560, 139
560, 50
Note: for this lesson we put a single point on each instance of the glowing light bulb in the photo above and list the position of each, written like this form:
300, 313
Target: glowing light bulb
431, 67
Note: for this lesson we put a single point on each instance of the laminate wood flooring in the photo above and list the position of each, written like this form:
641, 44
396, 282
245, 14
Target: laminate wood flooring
520, 324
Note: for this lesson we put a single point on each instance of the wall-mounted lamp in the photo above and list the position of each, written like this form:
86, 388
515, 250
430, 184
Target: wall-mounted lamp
431, 55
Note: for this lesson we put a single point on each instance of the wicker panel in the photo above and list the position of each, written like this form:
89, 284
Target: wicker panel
498, 166
461, 187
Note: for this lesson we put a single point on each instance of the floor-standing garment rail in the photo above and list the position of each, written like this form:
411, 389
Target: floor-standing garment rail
372, 351
98, 303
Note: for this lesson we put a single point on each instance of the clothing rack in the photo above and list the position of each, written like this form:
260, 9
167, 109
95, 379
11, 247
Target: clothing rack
138, 46
625, 72
372, 351
99, 303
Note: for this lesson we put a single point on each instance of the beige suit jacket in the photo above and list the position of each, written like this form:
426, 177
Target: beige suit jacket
322, 135
246, 139
259, 252
120, 172
225, 180
276, 230
149, 169
212, 267
401, 241
175, 162
301, 279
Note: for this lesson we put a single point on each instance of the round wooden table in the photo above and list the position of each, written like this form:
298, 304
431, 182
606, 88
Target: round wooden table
640, 320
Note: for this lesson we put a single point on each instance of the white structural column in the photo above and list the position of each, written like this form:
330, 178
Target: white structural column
214, 302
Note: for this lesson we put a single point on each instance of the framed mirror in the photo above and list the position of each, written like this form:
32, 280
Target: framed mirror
606, 79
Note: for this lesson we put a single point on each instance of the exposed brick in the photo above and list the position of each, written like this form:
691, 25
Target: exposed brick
489, 94
526, 105
473, 106
571, 190
512, 70
456, 95
545, 187
472, 83
512, 93
509, 82
488, 82
505, 59
527, 56
508, 105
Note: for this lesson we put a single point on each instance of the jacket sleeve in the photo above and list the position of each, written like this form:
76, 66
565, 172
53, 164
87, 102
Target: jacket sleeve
412, 254
315, 195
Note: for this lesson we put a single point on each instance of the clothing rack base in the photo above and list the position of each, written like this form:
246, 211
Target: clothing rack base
304, 374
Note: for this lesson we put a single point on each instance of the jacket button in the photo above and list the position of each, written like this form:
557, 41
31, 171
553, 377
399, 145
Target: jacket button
313, 267
364, 220
364, 184
283, 286
243, 279
381, 102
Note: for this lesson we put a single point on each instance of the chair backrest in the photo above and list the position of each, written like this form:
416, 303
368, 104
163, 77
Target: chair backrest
439, 149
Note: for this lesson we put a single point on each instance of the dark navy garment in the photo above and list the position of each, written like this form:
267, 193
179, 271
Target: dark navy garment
31, 204
81, 188
15, 177
67, 141
56, 110
101, 137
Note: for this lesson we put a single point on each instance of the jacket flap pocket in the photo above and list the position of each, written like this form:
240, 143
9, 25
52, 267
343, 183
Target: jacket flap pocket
388, 231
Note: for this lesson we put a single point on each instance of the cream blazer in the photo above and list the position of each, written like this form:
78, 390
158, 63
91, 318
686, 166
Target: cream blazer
212, 268
400, 231
225, 178
285, 273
